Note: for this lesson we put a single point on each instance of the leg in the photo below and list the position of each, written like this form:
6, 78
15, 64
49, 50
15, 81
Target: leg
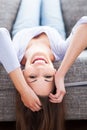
28, 15
51, 15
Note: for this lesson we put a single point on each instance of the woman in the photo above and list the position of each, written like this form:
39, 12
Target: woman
40, 14
39, 59
36, 55
15, 72
37, 52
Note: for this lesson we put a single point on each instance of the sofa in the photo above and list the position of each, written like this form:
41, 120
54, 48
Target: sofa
76, 78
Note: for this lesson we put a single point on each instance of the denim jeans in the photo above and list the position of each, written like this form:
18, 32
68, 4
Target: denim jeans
51, 15
39, 13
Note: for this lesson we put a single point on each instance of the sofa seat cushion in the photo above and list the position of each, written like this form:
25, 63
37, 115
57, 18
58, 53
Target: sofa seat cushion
8, 104
5, 81
8, 11
77, 74
76, 102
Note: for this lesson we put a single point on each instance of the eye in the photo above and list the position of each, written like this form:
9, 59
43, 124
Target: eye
32, 76
48, 76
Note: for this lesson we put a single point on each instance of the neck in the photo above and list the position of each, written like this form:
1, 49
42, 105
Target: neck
37, 44
41, 43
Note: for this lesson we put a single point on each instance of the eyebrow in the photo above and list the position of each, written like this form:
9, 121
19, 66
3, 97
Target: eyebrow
47, 80
36, 80
33, 81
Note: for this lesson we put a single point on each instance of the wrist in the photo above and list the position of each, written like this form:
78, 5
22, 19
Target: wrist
59, 74
19, 80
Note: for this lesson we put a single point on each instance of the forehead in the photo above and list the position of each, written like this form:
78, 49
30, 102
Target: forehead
42, 87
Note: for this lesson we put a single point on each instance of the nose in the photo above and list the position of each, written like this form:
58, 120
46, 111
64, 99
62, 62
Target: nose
39, 64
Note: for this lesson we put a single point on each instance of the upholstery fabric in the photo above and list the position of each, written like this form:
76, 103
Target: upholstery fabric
77, 74
76, 102
8, 11
73, 10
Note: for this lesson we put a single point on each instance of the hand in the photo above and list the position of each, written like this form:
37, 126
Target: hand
60, 90
31, 100
28, 96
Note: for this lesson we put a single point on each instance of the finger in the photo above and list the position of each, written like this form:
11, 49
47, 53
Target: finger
37, 107
57, 100
54, 96
38, 102
32, 109
34, 106
57, 95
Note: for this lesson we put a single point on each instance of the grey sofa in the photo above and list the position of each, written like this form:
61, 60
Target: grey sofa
76, 78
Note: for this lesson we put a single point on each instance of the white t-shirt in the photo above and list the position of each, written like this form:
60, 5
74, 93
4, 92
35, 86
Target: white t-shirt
57, 44
12, 52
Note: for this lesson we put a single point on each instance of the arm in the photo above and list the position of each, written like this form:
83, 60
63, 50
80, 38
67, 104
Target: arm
9, 60
77, 45
28, 97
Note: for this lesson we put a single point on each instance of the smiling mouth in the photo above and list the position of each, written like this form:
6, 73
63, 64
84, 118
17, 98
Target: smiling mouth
39, 60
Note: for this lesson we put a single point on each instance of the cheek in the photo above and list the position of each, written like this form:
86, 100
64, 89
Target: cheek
28, 69
51, 71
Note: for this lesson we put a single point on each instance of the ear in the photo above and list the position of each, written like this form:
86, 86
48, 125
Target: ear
23, 71
55, 70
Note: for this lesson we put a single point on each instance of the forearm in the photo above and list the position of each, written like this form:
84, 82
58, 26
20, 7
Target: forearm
19, 80
77, 45
28, 97
9, 60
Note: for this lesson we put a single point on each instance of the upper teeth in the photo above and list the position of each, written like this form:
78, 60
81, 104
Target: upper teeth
40, 61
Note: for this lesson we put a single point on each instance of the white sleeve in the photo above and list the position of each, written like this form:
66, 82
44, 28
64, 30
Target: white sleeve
58, 44
83, 20
8, 57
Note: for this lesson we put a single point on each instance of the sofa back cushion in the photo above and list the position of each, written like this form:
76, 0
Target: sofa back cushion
73, 10
8, 11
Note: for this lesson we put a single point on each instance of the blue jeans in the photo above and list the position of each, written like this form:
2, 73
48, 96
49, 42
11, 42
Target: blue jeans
51, 15
39, 13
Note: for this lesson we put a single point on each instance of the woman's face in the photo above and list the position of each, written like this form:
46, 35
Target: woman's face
39, 71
